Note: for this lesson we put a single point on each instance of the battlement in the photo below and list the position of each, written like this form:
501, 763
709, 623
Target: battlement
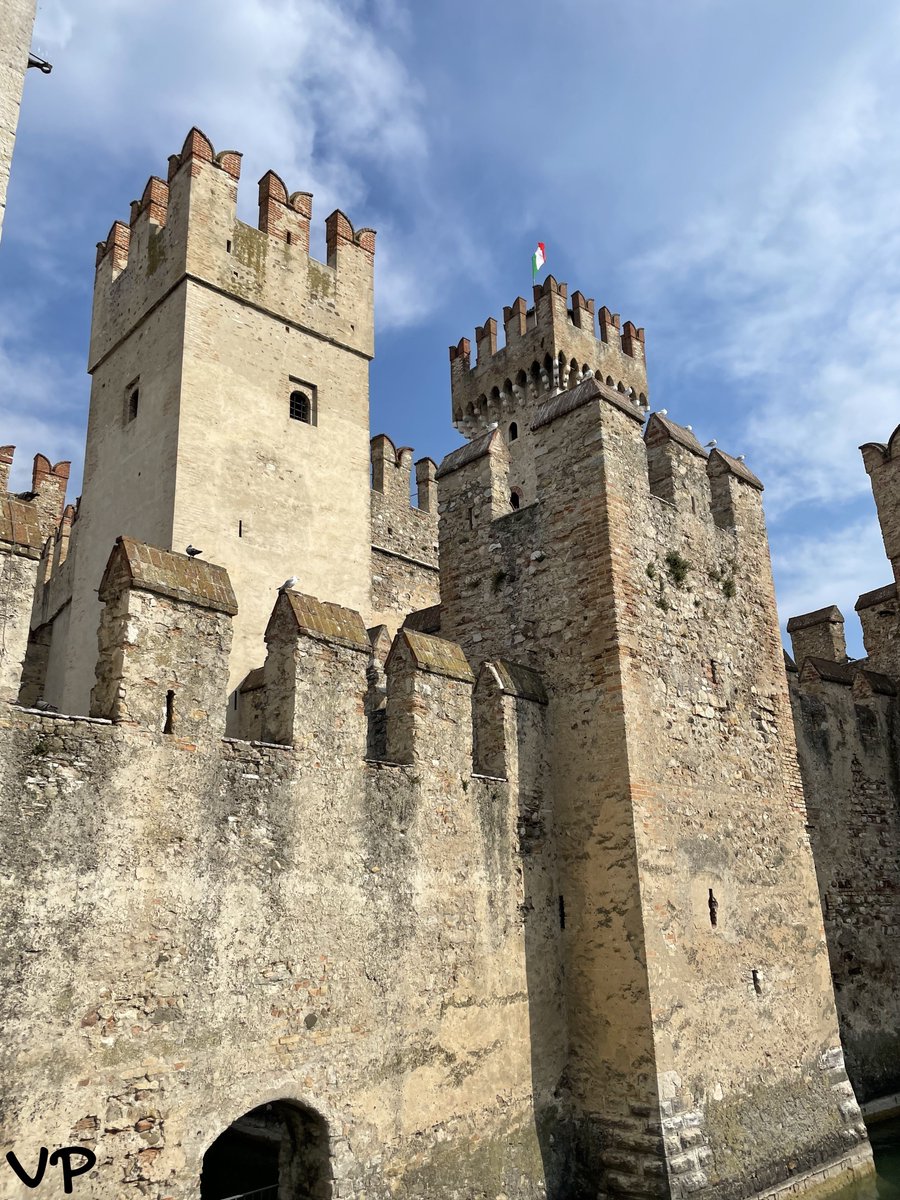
392, 474
185, 227
549, 347
163, 655
882, 462
703, 486
28, 525
820, 634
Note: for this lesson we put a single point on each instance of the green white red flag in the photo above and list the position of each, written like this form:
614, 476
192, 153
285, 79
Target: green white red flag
537, 260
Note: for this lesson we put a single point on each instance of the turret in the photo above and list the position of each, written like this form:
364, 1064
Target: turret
164, 641
883, 465
548, 348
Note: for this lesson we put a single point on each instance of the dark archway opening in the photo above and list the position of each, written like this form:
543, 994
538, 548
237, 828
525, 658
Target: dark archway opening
278, 1151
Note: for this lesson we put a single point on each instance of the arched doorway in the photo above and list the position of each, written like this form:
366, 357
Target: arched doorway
278, 1151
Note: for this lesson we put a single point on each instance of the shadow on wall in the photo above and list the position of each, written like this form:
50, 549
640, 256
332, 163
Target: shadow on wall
593, 1123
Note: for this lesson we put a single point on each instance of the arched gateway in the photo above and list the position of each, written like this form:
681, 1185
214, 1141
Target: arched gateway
278, 1151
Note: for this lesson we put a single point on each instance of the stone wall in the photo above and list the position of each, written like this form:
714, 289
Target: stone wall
702, 1055
196, 927
404, 537
846, 717
848, 745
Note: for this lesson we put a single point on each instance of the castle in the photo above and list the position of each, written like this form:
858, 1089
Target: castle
445, 850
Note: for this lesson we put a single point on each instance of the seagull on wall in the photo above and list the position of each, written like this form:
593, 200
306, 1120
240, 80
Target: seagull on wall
288, 584
710, 445
192, 551
741, 457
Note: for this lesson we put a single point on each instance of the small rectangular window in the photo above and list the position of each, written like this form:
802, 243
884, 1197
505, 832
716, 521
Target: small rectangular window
228, 246
287, 237
132, 400
302, 401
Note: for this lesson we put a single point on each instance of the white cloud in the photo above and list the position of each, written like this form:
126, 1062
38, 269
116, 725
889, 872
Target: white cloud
39, 401
800, 272
833, 568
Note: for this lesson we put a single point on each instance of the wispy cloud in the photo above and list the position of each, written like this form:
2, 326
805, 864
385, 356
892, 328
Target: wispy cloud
831, 568
799, 278
41, 399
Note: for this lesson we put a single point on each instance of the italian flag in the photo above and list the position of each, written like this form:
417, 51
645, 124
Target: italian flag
537, 260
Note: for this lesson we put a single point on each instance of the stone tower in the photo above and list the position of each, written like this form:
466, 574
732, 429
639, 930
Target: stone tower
695, 1047
229, 402
549, 347
15, 39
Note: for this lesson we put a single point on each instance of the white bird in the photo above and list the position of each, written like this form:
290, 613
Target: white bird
192, 551
663, 412
288, 584
741, 457
493, 425
690, 427
709, 445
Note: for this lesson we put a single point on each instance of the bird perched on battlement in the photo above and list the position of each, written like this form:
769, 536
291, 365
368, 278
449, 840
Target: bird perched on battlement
288, 584
741, 457
192, 551
710, 445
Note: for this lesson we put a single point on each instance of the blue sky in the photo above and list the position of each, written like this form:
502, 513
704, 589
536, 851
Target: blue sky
725, 173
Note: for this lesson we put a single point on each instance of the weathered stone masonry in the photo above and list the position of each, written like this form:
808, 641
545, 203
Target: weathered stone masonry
516, 900
846, 715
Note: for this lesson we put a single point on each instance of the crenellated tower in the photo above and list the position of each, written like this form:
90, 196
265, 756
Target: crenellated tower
697, 1042
548, 348
229, 401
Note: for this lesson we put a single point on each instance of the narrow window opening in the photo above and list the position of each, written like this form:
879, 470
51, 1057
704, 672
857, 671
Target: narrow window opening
713, 909
513, 431
228, 246
714, 670
301, 407
240, 528
693, 505
287, 237
757, 986
471, 518
514, 499
169, 726
562, 913
133, 401
235, 699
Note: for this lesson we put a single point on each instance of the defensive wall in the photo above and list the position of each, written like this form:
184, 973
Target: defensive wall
528, 907
846, 716
195, 926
